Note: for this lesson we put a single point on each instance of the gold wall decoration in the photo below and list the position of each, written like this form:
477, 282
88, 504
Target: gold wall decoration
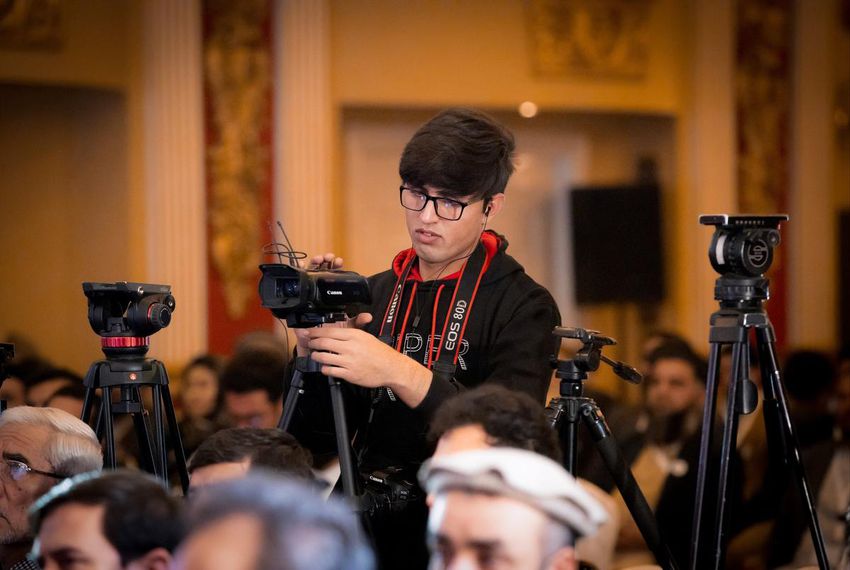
237, 75
30, 24
589, 37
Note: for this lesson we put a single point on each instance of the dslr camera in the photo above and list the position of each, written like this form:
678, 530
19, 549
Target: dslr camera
388, 490
307, 298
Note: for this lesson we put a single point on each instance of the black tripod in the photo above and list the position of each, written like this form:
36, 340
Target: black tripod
350, 483
740, 312
565, 412
741, 251
126, 370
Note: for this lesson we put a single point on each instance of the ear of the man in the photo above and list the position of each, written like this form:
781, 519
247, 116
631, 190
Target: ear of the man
495, 205
563, 559
156, 559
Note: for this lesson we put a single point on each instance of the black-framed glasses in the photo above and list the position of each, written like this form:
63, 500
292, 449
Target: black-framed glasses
416, 200
17, 470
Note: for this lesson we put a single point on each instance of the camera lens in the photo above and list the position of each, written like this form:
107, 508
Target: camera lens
159, 315
287, 288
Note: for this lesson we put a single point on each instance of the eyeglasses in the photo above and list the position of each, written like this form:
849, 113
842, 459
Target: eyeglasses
445, 208
17, 470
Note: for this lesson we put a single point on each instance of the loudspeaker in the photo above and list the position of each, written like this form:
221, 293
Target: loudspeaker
617, 244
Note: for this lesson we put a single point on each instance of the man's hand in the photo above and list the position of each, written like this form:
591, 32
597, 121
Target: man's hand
330, 261
356, 356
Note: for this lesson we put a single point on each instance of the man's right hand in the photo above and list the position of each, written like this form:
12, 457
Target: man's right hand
326, 261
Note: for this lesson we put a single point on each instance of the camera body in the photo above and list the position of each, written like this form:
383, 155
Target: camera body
743, 245
307, 298
126, 309
388, 490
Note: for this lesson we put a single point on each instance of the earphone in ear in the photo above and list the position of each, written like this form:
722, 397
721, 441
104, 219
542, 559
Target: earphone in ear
487, 211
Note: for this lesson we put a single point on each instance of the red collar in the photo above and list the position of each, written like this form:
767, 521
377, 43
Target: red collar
491, 243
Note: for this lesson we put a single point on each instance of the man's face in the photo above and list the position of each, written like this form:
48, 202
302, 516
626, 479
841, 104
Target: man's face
218, 472
233, 542
672, 388
474, 531
72, 537
437, 241
24, 443
252, 409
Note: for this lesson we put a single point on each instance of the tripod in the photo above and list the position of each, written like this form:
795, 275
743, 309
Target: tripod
565, 412
126, 370
303, 364
741, 310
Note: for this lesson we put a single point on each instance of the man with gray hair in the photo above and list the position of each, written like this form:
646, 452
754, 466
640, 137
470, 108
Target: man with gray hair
265, 522
505, 508
38, 448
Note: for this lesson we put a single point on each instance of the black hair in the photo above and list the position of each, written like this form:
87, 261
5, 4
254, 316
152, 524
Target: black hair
255, 370
463, 152
215, 365
509, 418
139, 514
681, 352
271, 448
808, 374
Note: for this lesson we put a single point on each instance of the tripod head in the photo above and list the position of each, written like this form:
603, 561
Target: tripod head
589, 357
741, 251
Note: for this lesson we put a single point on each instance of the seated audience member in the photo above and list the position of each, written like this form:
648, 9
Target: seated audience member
202, 401
40, 447
70, 399
505, 508
662, 450
263, 522
808, 376
41, 387
231, 453
120, 519
494, 416
252, 383
827, 465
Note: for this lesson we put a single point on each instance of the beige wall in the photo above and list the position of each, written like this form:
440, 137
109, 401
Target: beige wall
64, 213
476, 52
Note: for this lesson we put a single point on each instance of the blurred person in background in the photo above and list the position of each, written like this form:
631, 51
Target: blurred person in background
252, 382
201, 401
42, 386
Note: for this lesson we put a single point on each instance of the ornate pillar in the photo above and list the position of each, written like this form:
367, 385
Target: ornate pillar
303, 124
173, 148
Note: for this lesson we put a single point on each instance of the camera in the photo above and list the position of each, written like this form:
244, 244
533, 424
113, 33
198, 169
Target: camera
742, 246
128, 310
388, 490
307, 298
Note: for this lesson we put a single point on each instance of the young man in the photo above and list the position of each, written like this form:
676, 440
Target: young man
252, 383
455, 310
118, 520
505, 508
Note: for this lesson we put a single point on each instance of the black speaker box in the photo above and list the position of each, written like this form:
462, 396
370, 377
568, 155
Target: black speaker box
617, 244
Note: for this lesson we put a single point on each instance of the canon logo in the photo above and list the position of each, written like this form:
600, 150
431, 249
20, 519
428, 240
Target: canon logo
331, 292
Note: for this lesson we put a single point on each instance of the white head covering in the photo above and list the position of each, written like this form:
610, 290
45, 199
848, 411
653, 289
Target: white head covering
522, 475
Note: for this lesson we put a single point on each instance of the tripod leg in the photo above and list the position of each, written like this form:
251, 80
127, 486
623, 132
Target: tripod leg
161, 451
738, 374
90, 382
343, 442
146, 452
109, 460
176, 440
291, 400
624, 479
705, 448
776, 411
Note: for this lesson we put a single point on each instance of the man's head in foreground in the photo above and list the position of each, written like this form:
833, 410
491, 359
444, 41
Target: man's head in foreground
505, 508
114, 521
39, 448
263, 522
231, 453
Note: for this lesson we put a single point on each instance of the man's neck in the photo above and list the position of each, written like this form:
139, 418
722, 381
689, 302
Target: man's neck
11, 554
432, 271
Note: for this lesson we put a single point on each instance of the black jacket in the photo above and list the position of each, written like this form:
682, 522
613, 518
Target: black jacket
507, 340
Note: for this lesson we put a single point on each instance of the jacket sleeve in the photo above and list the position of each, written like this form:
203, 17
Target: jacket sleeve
518, 356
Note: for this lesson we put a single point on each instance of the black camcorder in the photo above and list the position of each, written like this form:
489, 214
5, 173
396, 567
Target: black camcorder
743, 245
307, 298
125, 309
